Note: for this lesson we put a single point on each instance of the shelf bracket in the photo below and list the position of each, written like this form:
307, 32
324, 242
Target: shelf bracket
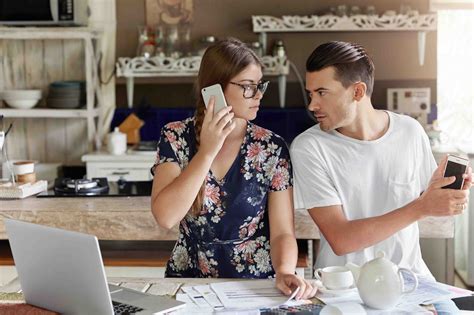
262, 38
421, 47
130, 87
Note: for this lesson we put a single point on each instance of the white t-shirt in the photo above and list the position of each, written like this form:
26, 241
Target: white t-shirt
368, 178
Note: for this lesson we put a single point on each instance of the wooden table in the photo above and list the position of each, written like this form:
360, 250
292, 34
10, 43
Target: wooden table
170, 285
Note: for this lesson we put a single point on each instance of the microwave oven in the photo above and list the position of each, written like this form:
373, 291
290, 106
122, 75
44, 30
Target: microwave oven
44, 12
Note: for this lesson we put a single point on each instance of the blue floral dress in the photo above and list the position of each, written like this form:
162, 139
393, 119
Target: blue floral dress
230, 237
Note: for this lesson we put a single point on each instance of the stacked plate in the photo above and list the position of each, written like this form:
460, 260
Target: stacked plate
66, 94
22, 99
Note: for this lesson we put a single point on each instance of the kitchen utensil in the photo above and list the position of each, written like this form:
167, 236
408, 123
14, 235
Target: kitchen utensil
21, 94
63, 102
20, 104
117, 142
26, 178
335, 277
22, 99
23, 167
380, 282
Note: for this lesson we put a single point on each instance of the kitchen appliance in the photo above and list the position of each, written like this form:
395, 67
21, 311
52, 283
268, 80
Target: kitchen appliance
411, 101
44, 12
97, 187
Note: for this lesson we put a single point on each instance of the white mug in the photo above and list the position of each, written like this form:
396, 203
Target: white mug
335, 277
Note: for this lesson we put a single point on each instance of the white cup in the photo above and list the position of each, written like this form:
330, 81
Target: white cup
335, 277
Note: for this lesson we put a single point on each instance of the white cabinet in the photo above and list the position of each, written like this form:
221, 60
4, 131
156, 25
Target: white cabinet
130, 167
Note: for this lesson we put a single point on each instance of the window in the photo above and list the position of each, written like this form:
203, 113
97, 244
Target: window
456, 77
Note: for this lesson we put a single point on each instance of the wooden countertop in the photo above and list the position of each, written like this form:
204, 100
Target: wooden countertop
130, 218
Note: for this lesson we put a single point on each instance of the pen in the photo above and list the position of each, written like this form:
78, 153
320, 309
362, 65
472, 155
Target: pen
293, 295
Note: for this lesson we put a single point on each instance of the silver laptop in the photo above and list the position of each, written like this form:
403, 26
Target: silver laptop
63, 271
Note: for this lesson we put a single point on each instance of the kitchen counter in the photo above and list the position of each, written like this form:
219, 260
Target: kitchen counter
130, 218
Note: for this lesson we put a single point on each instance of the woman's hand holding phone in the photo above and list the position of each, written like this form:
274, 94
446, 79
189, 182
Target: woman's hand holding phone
215, 129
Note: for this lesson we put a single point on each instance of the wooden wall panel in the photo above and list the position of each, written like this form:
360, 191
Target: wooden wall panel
55, 128
76, 129
14, 67
35, 131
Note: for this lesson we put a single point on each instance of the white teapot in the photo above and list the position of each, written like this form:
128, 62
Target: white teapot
380, 282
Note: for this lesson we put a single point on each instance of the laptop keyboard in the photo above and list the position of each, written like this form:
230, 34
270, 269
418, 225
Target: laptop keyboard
125, 309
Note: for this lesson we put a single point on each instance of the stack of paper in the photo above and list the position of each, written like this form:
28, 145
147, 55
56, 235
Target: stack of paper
234, 296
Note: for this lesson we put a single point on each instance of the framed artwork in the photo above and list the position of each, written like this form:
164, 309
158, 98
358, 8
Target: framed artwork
168, 12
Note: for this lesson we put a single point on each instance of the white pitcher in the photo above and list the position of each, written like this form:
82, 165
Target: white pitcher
380, 282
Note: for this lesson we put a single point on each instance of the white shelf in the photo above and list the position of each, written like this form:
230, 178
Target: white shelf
48, 113
184, 67
48, 33
333, 23
420, 23
141, 67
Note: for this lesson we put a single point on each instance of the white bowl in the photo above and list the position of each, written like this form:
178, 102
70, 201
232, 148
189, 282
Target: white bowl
21, 103
21, 94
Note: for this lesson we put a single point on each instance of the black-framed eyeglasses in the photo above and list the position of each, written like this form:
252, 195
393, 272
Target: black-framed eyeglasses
250, 89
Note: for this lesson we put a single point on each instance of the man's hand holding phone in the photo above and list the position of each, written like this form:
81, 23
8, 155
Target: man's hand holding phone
441, 200
215, 128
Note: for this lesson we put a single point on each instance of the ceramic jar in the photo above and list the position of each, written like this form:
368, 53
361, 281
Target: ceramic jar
117, 142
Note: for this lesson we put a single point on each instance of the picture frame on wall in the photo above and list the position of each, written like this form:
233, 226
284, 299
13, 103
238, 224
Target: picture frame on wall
169, 12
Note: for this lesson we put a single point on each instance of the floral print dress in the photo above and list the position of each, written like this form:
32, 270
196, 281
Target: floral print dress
230, 237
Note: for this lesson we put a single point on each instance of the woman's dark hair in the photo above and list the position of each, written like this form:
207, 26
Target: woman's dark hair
351, 62
220, 63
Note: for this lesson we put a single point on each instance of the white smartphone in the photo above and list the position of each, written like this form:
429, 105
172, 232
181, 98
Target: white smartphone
216, 91
456, 166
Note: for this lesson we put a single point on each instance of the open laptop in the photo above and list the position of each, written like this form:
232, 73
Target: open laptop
63, 271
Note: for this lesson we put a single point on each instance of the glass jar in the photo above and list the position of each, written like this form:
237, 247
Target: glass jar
279, 49
146, 42
205, 42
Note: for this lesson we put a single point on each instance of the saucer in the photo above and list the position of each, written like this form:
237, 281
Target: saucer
323, 289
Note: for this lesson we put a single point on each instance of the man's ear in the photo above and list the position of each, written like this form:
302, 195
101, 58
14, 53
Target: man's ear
360, 88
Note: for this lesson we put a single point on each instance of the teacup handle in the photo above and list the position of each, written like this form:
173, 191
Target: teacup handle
317, 274
403, 281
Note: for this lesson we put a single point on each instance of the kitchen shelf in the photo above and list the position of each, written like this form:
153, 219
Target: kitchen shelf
49, 113
167, 67
333, 23
420, 23
90, 37
15, 32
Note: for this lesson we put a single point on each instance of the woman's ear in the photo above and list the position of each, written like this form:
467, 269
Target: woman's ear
360, 88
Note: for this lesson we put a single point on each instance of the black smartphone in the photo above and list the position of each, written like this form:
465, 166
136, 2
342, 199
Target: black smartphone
456, 166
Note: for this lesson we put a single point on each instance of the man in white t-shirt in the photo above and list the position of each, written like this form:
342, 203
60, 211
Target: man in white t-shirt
365, 175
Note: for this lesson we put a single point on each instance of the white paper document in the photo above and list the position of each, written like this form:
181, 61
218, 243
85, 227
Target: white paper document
429, 291
253, 294
209, 296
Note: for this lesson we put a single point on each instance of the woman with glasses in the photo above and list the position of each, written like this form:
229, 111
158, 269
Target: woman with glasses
227, 181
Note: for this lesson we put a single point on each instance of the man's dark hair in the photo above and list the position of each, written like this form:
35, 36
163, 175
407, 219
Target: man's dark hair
351, 62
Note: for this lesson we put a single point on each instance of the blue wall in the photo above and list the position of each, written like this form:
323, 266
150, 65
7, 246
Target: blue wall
288, 123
